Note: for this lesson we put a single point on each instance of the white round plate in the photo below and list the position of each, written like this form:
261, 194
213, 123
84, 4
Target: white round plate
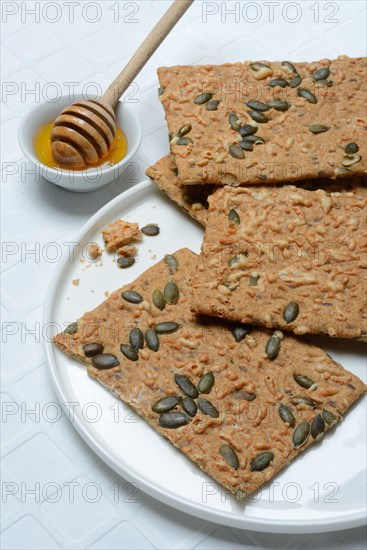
322, 490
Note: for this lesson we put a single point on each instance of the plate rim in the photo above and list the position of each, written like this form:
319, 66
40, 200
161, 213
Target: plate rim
344, 520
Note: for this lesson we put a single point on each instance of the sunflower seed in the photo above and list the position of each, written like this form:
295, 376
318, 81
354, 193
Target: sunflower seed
206, 382
318, 128
303, 381
236, 151
132, 296
290, 312
254, 139
278, 82
185, 129
184, 141
246, 146
295, 81
123, 263
72, 328
240, 332
257, 66
237, 259
289, 67
152, 339
317, 427
350, 160
150, 230
104, 361
329, 418
166, 404
261, 461
254, 279
258, 117
306, 94
242, 394
167, 327
279, 105
301, 434
299, 400
158, 299
351, 148
129, 352
212, 105
90, 350
257, 106
248, 130
272, 347
230, 456
203, 98
136, 339
234, 217
234, 122
186, 386
171, 293
189, 406
321, 74
171, 261
173, 420
286, 415
208, 408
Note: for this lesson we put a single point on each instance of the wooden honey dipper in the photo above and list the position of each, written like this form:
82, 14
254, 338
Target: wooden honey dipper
83, 133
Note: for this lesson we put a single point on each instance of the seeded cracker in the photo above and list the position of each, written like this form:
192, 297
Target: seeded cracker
120, 233
288, 258
266, 122
210, 389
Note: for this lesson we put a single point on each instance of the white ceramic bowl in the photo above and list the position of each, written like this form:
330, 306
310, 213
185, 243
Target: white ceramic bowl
78, 180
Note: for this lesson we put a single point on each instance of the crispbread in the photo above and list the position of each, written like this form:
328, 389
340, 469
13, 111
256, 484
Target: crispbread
248, 388
303, 247
291, 151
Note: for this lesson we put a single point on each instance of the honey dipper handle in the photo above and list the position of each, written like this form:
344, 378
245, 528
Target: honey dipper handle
145, 51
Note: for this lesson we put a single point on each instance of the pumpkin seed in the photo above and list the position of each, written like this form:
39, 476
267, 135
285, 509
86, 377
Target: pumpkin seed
237, 259
167, 327
254, 139
185, 129
132, 296
299, 400
234, 122
230, 456
236, 151
123, 263
318, 128
136, 339
203, 98
278, 82
171, 261
208, 408
329, 418
166, 404
129, 352
350, 160
248, 130
303, 381
173, 420
273, 347
160, 91
184, 141
290, 312
286, 415
257, 66
189, 406
104, 361
258, 117
212, 105
90, 350
150, 230
206, 382
246, 145
295, 81
242, 394
234, 217
279, 105
240, 332
306, 94
317, 427
158, 299
171, 293
289, 67
321, 74
261, 461
301, 434
257, 106
186, 386
254, 279
152, 339
351, 148
72, 328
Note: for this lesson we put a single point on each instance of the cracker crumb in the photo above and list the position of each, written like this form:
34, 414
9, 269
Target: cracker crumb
106, 293
94, 251
120, 233
75, 282
127, 251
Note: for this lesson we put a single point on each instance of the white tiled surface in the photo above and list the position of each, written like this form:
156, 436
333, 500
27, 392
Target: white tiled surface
55, 492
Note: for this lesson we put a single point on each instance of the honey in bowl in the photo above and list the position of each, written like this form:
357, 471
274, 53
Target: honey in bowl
42, 147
